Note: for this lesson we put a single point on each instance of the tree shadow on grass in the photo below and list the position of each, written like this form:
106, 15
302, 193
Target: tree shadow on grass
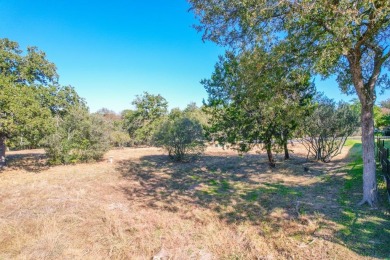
27, 161
239, 189
244, 189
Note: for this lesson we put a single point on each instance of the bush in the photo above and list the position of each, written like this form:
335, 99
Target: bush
181, 137
120, 138
326, 130
79, 137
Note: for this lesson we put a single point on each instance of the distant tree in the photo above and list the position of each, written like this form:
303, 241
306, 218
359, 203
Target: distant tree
119, 136
385, 103
108, 114
79, 137
385, 119
175, 113
22, 80
328, 127
349, 39
197, 113
181, 137
381, 118
148, 114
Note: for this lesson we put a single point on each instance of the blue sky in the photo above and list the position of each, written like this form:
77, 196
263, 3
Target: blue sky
111, 51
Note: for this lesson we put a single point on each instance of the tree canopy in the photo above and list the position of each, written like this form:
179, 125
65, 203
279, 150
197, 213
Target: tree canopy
78, 137
21, 80
31, 100
349, 39
253, 101
326, 129
143, 120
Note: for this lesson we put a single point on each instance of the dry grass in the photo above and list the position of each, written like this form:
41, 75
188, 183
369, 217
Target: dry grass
221, 206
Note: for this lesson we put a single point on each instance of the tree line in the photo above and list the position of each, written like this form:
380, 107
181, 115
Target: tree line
36, 111
256, 100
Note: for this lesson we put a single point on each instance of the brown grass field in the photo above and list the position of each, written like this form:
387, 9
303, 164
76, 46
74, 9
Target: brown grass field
220, 206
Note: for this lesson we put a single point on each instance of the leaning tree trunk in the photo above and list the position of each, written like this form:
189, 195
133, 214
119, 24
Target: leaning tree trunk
2, 151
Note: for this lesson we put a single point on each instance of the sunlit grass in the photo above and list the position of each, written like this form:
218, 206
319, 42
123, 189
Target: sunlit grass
220, 206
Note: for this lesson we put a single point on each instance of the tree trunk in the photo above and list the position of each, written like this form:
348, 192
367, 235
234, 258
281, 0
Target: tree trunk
369, 165
270, 156
2, 151
285, 141
286, 153
366, 94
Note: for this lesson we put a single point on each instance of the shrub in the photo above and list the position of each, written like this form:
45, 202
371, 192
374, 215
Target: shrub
326, 130
181, 137
120, 138
79, 137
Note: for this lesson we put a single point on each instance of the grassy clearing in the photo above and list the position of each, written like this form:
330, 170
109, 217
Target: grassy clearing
221, 206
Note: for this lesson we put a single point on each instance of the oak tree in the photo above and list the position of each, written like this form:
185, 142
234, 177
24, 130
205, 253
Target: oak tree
349, 39
144, 119
22, 78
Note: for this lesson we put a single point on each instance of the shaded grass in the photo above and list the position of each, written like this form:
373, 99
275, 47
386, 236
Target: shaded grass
239, 189
365, 230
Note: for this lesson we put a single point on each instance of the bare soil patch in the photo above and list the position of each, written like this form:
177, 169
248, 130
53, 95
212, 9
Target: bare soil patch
220, 206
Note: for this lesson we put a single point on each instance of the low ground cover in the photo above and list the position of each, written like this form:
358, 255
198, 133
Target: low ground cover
220, 206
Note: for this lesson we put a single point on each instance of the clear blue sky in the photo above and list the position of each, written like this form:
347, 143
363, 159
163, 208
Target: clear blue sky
111, 51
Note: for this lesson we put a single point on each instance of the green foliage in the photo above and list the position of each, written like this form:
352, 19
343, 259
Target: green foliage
149, 112
327, 128
79, 137
381, 118
329, 36
30, 95
181, 137
22, 114
250, 103
30, 69
198, 113
348, 39
60, 99
119, 137
24, 83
